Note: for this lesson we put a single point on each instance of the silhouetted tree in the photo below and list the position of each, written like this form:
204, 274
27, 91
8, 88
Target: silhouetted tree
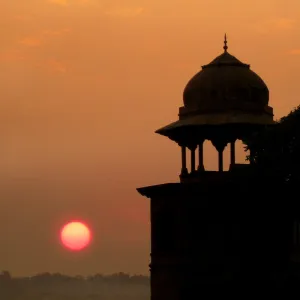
276, 149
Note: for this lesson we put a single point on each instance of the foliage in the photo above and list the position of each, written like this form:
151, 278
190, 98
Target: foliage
276, 148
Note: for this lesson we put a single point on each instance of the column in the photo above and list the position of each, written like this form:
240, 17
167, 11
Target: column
193, 159
220, 152
232, 153
183, 161
220, 145
200, 157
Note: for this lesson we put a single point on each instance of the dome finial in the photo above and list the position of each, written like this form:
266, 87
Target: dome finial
225, 43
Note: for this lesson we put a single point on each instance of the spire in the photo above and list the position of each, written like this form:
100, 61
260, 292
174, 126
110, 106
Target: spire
225, 43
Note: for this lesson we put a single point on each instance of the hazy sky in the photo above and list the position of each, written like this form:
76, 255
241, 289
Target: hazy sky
83, 86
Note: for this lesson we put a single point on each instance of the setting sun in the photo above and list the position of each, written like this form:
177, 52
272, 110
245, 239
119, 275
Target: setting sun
75, 236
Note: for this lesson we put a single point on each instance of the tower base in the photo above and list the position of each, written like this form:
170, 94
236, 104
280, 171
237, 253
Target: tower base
231, 236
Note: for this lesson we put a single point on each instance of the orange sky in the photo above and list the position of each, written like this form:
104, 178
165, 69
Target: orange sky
83, 86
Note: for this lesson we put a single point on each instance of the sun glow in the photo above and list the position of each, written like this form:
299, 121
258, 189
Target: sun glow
75, 235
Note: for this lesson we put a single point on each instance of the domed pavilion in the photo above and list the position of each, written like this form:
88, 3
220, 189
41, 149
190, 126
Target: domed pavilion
225, 97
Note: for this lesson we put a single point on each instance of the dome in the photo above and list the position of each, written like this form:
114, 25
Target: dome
226, 98
225, 84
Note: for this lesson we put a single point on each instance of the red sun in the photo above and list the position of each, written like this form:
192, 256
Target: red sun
75, 235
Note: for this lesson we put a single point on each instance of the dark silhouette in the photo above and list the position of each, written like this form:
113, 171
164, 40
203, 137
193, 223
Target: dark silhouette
225, 233
277, 148
61, 287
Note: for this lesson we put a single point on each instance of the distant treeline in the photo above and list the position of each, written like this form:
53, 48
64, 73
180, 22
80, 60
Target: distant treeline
120, 277
56, 286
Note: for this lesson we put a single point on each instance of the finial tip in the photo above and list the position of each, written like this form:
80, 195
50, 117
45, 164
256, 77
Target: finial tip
225, 43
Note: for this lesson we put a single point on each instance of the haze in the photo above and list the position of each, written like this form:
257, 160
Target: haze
83, 86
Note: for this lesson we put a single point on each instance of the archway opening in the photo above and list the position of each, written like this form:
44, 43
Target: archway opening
210, 155
240, 153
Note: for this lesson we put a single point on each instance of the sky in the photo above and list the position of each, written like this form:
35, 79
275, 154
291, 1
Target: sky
83, 86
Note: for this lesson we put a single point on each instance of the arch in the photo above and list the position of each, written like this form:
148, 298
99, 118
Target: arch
210, 156
240, 153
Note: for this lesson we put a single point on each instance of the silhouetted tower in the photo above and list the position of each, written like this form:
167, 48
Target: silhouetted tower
216, 227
